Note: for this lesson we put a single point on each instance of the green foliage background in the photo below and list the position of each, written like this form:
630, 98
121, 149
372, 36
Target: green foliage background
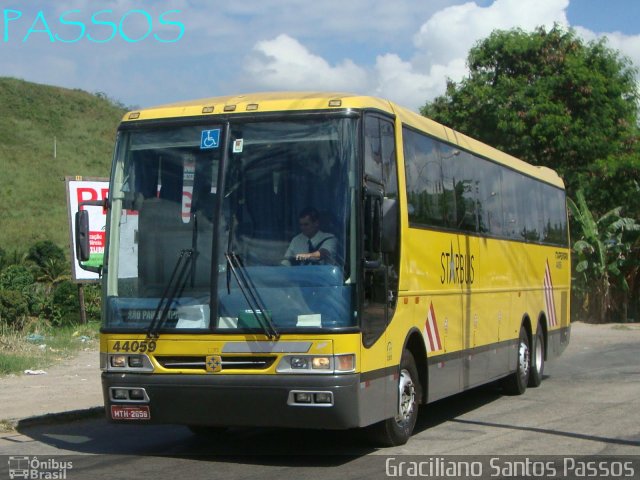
552, 99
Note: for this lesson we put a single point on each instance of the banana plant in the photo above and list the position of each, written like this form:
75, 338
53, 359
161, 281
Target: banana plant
606, 254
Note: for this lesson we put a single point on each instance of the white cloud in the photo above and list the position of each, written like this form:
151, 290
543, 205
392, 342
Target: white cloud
628, 45
285, 64
441, 47
399, 81
451, 32
444, 40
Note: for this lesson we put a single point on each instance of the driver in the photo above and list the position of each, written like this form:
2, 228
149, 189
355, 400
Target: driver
312, 244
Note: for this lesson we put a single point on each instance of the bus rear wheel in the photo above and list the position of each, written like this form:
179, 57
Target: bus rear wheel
537, 360
516, 383
398, 429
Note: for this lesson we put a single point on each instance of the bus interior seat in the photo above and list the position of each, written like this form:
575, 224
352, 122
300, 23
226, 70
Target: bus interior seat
329, 224
161, 236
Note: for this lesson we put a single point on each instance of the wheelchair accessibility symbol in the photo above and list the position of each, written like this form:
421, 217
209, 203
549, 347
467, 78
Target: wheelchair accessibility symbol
210, 139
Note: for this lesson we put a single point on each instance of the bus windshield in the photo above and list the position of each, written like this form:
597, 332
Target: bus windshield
279, 194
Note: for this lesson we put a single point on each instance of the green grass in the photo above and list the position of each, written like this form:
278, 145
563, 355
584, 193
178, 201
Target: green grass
18, 354
32, 187
18, 363
33, 204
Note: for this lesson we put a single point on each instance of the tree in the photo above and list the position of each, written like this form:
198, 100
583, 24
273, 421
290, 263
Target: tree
53, 272
551, 99
50, 266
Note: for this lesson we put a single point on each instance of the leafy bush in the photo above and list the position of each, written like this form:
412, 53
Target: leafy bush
16, 277
42, 252
14, 308
93, 302
36, 286
65, 304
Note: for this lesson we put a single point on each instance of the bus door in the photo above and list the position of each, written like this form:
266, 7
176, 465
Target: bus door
380, 247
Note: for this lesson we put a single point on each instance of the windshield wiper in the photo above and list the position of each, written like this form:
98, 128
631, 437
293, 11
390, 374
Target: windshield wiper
175, 286
249, 292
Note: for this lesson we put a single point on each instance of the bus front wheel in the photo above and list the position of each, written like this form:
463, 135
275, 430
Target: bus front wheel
397, 430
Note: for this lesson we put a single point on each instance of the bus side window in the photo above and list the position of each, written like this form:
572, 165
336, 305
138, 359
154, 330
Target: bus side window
423, 173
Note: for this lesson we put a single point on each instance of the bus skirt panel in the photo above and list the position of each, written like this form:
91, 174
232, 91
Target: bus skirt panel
309, 401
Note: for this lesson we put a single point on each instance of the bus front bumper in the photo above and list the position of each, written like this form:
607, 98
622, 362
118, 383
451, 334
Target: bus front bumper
236, 400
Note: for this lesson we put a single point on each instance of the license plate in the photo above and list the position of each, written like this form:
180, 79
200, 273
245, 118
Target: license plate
130, 412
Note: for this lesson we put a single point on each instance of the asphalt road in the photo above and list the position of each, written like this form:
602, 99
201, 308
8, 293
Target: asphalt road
588, 404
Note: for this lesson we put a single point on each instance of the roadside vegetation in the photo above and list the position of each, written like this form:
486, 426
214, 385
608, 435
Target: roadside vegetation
39, 309
44, 346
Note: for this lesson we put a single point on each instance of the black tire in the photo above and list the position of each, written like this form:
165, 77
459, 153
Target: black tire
537, 360
207, 431
397, 430
516, 383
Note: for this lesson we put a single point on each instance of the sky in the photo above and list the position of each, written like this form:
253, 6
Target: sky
149, 52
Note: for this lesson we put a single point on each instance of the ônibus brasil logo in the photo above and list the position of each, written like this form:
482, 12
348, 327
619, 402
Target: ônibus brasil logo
33, 468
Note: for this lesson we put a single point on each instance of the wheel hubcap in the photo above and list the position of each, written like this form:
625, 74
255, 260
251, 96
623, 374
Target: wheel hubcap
406, 399
538, 356
523, 359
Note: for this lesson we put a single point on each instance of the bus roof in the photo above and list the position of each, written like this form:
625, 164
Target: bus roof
262, 102
312, 101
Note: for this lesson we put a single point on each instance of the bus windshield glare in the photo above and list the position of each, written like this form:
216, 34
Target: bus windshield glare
258, 227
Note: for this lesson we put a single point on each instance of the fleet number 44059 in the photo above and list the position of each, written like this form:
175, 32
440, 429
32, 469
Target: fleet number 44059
134, 346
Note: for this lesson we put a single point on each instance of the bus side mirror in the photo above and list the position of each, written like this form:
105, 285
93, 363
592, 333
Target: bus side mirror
83, 247
389, 225
82, 236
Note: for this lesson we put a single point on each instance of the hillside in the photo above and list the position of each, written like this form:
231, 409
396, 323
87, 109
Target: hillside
32, 187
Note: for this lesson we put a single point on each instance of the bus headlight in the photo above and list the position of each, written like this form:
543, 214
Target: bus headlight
118, 361
128, 362
321, 363
317, 364
298, 363
136, 361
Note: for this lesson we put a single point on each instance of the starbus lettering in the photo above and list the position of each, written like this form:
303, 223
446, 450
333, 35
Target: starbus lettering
457, 267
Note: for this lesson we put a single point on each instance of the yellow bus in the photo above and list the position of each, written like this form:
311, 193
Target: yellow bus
322, 261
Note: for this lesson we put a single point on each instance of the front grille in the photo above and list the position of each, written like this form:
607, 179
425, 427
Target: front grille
195, 363
228, 362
